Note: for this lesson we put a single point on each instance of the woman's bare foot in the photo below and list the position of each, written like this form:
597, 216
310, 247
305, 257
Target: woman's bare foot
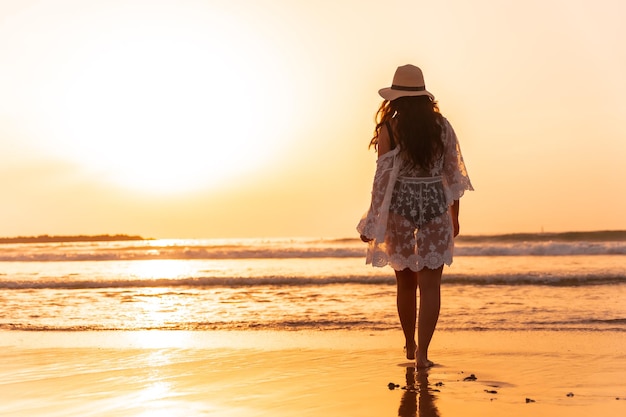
423, 362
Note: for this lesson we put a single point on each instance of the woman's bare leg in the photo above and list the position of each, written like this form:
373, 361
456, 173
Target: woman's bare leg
406, 281
429, 283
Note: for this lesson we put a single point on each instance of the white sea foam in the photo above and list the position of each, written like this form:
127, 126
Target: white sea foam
283, 250
542, 249
567, 279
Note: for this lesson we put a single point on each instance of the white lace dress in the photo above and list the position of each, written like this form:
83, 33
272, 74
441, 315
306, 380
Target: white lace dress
408, 221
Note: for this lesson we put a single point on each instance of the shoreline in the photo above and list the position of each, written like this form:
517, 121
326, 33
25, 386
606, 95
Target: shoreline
331, 373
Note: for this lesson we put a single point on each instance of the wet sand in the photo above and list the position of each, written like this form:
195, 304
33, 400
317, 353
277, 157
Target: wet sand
331, 373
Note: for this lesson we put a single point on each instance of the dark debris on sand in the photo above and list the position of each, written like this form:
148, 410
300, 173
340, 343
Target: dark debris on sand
472, 377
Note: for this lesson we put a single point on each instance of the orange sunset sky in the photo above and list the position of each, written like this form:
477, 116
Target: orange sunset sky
251, 118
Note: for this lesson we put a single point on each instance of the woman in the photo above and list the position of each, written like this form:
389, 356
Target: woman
414, 214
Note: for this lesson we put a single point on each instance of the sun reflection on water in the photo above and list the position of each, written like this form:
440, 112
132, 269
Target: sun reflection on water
160, 269
156, 398
159, 306
154, 391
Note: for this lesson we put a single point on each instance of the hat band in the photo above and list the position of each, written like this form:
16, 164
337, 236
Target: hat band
403, 88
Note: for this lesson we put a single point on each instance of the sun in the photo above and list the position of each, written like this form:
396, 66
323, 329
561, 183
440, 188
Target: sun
164, 104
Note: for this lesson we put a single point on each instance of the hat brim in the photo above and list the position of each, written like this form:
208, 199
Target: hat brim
390, 94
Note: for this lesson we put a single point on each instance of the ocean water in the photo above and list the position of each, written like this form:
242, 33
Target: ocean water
567, 281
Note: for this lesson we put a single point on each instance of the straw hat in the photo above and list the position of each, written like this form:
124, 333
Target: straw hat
407, 81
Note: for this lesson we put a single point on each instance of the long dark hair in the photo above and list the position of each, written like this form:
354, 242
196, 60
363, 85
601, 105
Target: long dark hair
416, 128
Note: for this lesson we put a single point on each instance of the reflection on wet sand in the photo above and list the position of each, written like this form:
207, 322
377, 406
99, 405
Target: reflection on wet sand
417, 385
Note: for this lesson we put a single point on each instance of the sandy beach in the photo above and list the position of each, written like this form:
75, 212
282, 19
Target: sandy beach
330, 373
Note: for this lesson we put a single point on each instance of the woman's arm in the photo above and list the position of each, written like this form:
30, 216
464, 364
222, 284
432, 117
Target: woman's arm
381, 177
454, 212
454, 170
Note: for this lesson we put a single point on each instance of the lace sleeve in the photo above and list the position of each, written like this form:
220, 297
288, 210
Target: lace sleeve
384, 180
454, 171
